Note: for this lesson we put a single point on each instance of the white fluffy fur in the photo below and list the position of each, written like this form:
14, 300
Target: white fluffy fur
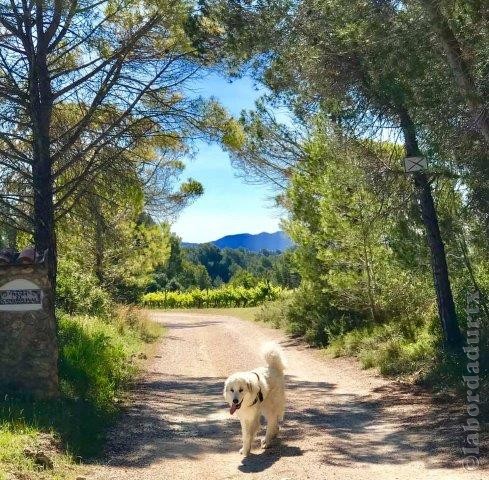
244, 387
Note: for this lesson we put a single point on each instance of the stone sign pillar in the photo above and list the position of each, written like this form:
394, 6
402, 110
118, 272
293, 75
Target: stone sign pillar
28, 342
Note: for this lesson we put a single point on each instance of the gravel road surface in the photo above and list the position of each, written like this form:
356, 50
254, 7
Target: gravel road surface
341, 422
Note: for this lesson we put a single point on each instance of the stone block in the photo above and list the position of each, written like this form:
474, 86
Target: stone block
28, 338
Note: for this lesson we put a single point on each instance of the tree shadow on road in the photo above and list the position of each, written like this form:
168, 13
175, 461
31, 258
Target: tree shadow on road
183, 417
174, 417
258, 462
179, 417
397, 424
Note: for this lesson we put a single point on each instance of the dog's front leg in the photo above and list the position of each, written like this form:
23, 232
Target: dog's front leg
246, 432
249, 428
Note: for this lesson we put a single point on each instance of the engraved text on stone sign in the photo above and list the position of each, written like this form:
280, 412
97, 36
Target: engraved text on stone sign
20, 297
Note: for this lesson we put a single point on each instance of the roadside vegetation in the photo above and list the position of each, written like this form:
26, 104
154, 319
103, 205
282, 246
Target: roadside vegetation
387, 258
411, 353
226, 296
99, 352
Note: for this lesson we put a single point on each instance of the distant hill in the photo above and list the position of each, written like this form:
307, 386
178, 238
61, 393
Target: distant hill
255, 243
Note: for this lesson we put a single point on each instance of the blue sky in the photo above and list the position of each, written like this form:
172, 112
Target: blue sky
229, 205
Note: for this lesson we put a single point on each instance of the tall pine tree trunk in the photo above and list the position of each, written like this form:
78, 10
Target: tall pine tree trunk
41, 105
444, 297
44, 224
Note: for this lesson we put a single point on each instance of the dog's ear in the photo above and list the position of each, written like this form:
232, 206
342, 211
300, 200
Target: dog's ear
249, 384
225, 388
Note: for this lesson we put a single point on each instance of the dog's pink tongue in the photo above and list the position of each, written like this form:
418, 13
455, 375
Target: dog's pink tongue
233, 408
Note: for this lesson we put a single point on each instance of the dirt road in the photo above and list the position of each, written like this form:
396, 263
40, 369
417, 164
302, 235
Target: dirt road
341, 422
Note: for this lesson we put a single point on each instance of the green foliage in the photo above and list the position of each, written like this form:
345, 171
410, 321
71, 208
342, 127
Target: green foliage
234, 136
212, 258
205, 266
142, 248
394, 348
348, 251
79, 292
285, 272
225, 296
367, 287
97, 359
96, 355
307, 314
8, 237
116, 251
243, 278
274, 313
94, 359
418, 355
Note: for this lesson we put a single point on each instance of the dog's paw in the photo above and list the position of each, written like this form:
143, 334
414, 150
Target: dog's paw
244, 452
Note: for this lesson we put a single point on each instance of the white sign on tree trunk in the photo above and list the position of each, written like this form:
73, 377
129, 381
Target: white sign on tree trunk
415, 164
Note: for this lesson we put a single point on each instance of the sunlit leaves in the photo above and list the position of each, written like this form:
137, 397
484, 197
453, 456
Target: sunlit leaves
226, 296
234, 135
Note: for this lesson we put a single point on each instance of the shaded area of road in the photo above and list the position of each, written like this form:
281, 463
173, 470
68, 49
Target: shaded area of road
341, 422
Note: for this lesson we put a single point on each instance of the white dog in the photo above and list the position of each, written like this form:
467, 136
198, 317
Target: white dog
258, 392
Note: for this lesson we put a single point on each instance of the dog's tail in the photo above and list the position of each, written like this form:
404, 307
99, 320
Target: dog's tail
274, 356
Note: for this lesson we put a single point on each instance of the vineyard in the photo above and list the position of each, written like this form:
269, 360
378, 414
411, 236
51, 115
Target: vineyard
225, 296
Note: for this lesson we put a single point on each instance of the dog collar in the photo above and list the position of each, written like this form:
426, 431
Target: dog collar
259, 397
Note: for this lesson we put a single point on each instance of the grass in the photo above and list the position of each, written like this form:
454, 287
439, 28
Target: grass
387, 347
418, 358
28, 427
98, 359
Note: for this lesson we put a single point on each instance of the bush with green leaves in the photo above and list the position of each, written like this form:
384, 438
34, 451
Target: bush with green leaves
225, 296
93, 359
390, 348
78, 291
96, 355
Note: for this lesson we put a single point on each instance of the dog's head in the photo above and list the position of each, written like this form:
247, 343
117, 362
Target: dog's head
240, 388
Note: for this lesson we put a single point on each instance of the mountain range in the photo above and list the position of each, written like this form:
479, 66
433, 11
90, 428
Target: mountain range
255, 243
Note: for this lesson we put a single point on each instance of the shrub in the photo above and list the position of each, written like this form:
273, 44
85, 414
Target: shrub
96, 354
303, 312
130, 318
78, 292
273, 313
387, 347
94, 359
419, 355
225, 296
